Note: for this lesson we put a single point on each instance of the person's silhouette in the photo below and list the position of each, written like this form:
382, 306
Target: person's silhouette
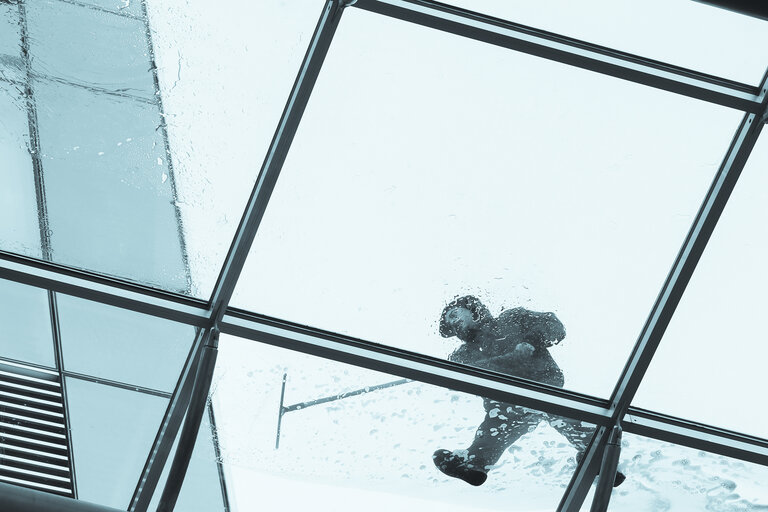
514, 343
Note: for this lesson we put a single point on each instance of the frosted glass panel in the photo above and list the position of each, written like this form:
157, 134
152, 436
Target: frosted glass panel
668, 477
112, 433
121, 345
714, 350
686, 33
379, 445
467, 169
19, 229
90, 47
25, 324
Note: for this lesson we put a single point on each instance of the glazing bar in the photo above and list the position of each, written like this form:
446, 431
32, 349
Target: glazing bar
569, 51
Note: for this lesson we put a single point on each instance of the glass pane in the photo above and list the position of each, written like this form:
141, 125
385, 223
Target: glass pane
202, 488
19, 229
464, 177
222, 112
714, 350
379, 445
685, 33
112, 433
121, 345
668, 477
10, 42
89, 47
110, 201
25, 334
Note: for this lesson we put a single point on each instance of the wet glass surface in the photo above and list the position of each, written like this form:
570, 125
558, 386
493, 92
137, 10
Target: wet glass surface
714, 350
378, 446
25, 324
225, 75
685, 33
475, 171
89, 47
11, 66
124, 7
109, 196
667, 477
19, 229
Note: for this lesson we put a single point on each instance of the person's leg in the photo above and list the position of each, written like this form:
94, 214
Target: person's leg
503, 425
574, 431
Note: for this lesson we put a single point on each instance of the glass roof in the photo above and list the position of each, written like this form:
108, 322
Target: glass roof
681, 32
556, 185
477, 182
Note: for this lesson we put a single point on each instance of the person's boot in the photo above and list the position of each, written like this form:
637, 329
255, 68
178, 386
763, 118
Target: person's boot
457, 466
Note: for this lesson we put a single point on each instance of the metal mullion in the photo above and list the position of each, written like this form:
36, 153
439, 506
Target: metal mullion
98, 288
59, 354
431, 370
276, 154
243, 239
217, 452
696, 436
568, 51
117, 384
169, 427
703, 226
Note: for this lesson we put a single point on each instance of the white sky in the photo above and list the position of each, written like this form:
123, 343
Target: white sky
428, 166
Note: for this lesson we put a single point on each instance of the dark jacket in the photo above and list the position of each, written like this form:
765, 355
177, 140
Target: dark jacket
516, 343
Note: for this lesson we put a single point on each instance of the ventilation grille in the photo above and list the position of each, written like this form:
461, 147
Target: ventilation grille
33, 436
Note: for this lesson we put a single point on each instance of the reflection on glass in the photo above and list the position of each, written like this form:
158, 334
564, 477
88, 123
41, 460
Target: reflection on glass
19, 229
714, 349
381, 443
25, 324
89, 47
110, 201
685, 33
476, 172
225, 75
667, 477
202, 489
121, 345
112, 433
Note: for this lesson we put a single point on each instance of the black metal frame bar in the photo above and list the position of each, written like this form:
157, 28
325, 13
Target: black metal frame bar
569, 51
216, 314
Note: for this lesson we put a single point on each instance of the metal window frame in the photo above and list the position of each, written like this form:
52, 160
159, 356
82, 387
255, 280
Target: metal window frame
216, 314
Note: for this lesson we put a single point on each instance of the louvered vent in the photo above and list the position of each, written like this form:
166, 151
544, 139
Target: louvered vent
33, 437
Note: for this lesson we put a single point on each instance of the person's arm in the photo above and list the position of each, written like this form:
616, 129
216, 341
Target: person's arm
539, 330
